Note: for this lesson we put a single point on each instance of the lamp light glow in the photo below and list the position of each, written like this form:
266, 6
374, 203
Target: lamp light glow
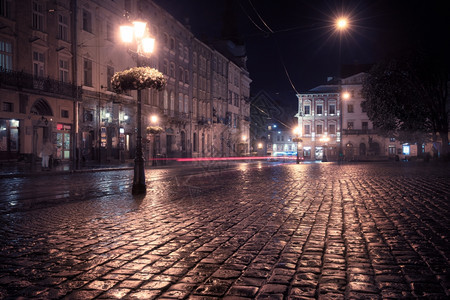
126, 33
148, 44
139, 29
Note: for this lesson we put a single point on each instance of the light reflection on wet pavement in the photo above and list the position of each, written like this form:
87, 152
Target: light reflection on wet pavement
251, 231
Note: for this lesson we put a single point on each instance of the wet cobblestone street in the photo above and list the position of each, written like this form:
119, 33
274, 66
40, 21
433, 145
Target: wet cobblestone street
256, 231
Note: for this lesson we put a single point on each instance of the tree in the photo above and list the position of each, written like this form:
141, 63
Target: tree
407, 97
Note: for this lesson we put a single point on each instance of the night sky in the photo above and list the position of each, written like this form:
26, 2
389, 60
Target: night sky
298, 37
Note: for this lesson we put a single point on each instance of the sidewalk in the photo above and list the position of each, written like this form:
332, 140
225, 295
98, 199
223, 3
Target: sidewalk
11, 169
23, 169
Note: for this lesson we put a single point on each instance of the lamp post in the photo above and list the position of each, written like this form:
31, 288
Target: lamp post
341, 25
297, 140
324, 140
144, 44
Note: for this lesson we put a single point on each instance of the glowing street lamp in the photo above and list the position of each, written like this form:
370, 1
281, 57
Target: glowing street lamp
144, 45
297, 140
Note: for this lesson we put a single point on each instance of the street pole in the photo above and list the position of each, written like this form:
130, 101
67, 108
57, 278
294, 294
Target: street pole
139, 186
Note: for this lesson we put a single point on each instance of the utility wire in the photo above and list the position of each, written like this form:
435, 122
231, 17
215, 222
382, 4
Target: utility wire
250, 18
259, 16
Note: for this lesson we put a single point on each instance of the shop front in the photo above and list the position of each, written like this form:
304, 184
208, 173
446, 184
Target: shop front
9, 139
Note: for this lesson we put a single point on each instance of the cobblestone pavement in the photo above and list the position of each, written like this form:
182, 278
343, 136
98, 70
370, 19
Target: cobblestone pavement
328, 231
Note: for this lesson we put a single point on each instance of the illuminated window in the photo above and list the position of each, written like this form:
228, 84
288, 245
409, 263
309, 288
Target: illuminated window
6, 55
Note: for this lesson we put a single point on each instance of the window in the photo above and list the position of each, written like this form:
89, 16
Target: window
109, 75
165, 40
319, 109
172, 70
64, 113
349, 125
180, 74
319, 129
307, 129
38, 16
172, 101
64, 70
186, 76
180, 102
194, 59
8, 107
332, 129
194, 107
63, 28
365, 125
166, 100
87, 21
38, 64
307, 109
186, 104
88, 116
165, 67
172, 44
350, 108
5, 8
87, 72
332, 109
5, 55
109, 32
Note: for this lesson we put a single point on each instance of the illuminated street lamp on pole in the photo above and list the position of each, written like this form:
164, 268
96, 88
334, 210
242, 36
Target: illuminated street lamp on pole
341, 26
297, 140
144, 45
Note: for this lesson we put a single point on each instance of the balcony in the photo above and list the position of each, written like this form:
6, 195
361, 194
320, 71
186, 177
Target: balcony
21, 80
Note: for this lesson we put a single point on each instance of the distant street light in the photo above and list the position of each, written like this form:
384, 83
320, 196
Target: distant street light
144, 45
342, 25
297, 140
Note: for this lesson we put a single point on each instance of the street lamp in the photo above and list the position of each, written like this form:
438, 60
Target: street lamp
297, 140
341, 25
324, 140
144, 44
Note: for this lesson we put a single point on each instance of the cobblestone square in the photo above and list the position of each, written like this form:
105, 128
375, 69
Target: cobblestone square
254, 231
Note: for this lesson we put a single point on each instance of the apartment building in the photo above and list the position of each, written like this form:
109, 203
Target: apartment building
57, 59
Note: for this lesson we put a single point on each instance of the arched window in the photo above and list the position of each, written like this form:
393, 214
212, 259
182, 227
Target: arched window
186, 104
166, 100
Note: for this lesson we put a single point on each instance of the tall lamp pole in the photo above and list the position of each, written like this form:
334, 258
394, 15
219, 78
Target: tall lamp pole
144, 44
341, 25
297, 140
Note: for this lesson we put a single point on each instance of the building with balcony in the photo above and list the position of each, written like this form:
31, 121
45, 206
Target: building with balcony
36, 75
56, 63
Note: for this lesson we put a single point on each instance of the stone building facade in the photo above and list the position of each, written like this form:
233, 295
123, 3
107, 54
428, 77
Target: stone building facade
57, 59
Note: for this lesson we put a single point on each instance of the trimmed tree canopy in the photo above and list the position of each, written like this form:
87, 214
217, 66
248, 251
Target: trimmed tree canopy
138, 78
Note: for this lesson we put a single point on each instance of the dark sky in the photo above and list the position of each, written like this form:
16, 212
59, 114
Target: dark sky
298, 36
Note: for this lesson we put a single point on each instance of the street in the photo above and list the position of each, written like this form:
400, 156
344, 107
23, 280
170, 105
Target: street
251, 230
